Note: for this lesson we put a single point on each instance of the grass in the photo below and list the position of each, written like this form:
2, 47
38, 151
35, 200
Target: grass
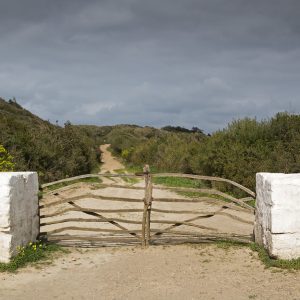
127, 179
199, 194
187, 183
251, 203
192, 183
293, 264
130, 180
33, 253
269, 262
63, 184
228, 244
179, 182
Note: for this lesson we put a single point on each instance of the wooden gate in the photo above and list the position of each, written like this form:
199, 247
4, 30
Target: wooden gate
201, 214
105, 215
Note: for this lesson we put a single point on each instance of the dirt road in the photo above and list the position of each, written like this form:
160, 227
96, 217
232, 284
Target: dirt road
173, 272
110, 164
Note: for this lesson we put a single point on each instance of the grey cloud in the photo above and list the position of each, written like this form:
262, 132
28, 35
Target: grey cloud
183, 62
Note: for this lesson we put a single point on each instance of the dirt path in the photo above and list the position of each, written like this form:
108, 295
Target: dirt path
110, 163
174, 272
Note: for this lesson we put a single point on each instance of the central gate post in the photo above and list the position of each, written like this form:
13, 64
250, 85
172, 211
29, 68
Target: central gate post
147, 207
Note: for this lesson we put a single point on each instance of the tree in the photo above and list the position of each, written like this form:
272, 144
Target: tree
6, 160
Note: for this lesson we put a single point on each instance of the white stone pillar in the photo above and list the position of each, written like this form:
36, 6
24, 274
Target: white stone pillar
19, 212
277, 216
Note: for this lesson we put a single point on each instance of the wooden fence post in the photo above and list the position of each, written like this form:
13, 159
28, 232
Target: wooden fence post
147, 206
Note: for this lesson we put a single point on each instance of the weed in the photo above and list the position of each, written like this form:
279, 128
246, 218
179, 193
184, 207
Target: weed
200, 194
293, 264
179, 182
227, 244
31, 254
251, 202
130, 180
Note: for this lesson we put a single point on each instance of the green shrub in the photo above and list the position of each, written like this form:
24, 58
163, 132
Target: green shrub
6, 160
54, 152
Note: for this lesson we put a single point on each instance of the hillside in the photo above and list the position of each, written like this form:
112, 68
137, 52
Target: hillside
237, 152
37, 145
58, 152
166, 149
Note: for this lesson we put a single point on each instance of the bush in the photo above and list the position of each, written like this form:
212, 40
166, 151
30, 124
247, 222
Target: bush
6, 160
54, 152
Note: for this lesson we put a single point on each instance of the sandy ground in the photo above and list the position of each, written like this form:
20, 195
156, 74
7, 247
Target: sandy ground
110, 164
160, 272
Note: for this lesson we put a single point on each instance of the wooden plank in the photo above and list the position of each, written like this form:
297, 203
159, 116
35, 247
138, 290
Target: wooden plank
87, 238
178, 223
89, 176
84, 210
144, 220
247, 199
210, 178
166, 211
179, 232
89, 196
206, 191
235, 218
148, 225
184, 200
64, 188
129, 187
109, 220
194, 219
93, 229
171, 239
70, 179
175, 240
149, 203
104, 218
201, 199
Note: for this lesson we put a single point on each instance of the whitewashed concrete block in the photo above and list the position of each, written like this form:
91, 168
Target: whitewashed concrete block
277, 216
19, 219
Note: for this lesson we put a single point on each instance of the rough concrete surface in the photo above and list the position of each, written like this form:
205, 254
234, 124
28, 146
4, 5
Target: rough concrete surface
277, 220
19, 220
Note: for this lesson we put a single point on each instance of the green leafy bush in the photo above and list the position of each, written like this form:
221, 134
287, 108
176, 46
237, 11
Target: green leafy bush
54, 152
238, 152
6, 160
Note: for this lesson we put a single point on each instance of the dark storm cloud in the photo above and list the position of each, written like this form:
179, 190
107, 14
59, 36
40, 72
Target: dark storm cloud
185, 62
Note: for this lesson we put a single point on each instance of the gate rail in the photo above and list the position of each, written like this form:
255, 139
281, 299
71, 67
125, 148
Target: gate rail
146, 234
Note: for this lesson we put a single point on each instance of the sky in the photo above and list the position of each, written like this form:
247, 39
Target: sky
187, 63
